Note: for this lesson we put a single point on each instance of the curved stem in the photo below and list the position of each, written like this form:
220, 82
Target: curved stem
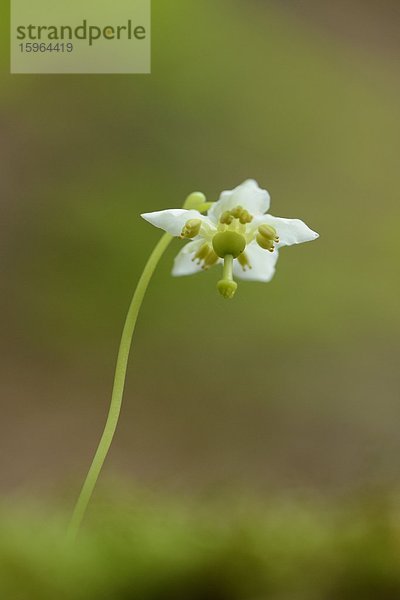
118, 388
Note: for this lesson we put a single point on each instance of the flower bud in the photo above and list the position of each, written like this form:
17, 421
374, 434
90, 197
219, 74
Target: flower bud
194, 201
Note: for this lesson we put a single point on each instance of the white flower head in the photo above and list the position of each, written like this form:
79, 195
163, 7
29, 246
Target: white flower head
237, 231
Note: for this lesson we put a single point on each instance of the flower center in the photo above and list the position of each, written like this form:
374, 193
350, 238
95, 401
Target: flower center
231, 236
228, 242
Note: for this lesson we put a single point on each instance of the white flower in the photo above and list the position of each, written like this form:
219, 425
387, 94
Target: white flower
237, 231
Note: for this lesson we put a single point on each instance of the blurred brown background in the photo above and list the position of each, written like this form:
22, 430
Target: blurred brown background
294, 384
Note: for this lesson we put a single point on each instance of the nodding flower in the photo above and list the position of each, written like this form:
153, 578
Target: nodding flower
237, 231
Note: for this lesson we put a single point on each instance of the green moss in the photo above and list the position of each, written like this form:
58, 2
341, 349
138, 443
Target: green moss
166, 551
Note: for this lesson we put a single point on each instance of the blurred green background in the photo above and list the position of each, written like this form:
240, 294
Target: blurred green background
291, 388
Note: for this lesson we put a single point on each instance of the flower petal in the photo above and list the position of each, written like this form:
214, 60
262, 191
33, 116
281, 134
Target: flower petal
290, 231
261, 261
184, 263
173, 220
255, 200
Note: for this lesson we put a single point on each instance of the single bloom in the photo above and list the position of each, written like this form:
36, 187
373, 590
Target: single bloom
237, 231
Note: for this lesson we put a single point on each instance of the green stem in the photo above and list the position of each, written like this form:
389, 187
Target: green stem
118, 388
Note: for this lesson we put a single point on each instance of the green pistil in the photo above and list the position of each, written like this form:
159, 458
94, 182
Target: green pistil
226, 286
228, 245
228, 242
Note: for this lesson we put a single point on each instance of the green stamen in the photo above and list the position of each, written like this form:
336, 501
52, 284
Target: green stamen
201, 253
226, 218
243, 261
266, 237
239, 213
210, 259
191, 228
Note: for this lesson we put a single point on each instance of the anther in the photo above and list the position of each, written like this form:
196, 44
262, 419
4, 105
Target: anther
245, 217
191, 228
243, 261
265, 243
237, 211
268, 232
210, 259
201, 253
266, 237
226, 218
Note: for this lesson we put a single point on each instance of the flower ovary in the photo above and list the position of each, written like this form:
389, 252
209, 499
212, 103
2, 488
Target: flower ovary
228, 242
194, 200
